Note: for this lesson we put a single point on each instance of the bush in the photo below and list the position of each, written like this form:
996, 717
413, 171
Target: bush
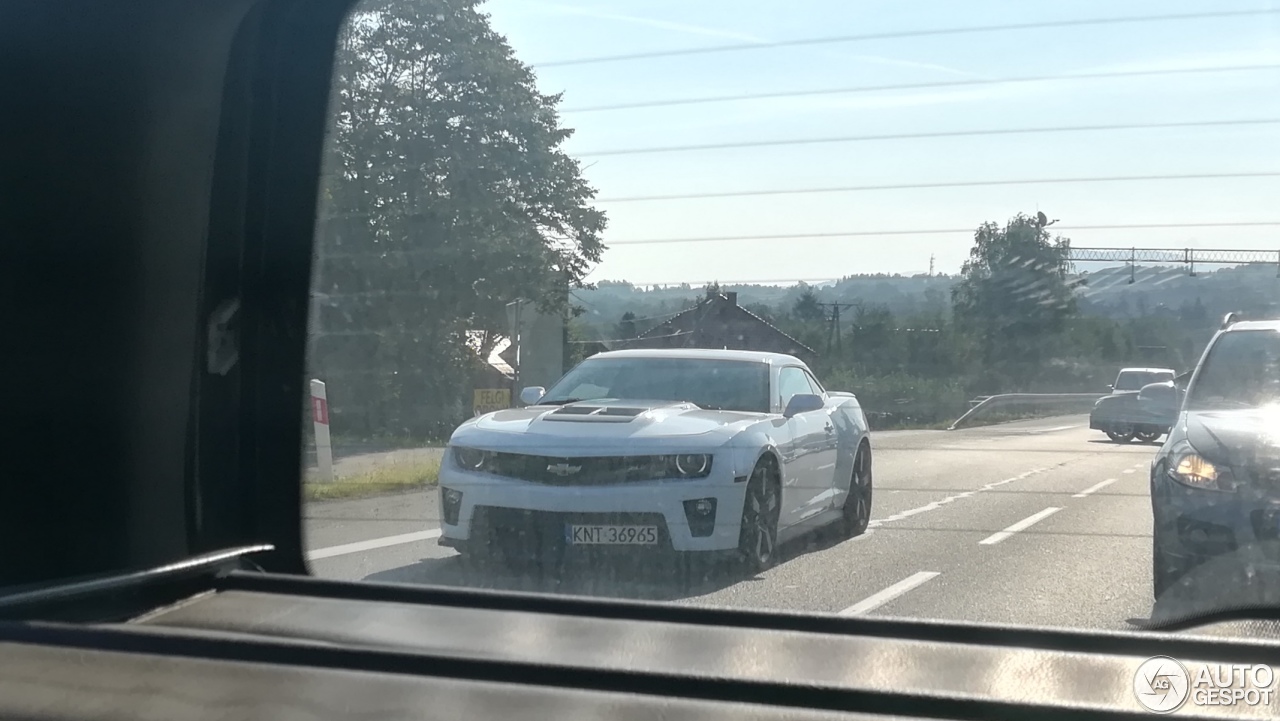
899, 400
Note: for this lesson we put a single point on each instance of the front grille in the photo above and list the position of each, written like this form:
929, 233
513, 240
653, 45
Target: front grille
580, 471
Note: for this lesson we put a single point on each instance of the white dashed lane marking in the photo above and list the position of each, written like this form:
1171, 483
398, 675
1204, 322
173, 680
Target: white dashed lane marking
1094, 488
1127, 470
876, 600
372, 544
935, 505
1022, 525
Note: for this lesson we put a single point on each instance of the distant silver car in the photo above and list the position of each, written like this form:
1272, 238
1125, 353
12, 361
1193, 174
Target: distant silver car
1126, 414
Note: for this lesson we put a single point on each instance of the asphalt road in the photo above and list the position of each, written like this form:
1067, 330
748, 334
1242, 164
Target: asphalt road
1039, 522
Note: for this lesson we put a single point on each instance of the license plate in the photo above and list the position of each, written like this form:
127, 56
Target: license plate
580, 535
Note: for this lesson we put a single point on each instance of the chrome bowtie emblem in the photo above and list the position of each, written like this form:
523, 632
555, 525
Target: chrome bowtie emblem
563, 469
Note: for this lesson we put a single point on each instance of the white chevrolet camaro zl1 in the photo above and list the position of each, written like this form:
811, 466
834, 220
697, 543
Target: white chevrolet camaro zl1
679, 450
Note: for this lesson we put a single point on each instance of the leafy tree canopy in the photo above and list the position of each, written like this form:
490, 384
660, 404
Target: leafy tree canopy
1014, 290
446, 196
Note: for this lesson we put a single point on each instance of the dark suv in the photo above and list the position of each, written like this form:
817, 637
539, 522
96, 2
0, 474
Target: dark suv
1215, 483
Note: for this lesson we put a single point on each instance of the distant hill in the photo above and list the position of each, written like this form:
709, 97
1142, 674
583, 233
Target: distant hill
1173, 291
1169, 291
604, 306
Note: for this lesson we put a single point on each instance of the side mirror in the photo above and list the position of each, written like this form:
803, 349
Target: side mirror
1110, 387
531, 395
803, 403
1183, 380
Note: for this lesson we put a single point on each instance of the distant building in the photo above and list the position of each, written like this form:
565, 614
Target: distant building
717, 321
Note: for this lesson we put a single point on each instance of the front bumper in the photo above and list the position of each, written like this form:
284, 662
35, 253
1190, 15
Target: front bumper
1195, 524
526, 518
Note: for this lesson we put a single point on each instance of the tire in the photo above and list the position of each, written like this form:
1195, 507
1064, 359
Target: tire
1149, 436
1121, 437
856, 514
758, 536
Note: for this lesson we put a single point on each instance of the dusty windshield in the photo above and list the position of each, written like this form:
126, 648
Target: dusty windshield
1241, 372
951, 224
710, 384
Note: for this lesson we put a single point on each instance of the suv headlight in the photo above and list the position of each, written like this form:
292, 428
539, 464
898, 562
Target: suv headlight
1190, 468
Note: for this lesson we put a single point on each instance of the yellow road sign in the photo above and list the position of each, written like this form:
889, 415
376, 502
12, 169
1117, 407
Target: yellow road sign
488, 400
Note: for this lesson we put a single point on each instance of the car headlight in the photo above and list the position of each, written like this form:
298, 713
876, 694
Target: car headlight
692, 465
471, 459
1190, 468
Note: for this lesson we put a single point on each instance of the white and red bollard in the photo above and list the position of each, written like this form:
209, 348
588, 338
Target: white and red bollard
320, 417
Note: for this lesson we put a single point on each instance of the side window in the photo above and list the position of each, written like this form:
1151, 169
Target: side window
814, 386
791, 382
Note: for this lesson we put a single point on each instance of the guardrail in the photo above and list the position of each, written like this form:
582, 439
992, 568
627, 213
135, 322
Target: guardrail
1023, 399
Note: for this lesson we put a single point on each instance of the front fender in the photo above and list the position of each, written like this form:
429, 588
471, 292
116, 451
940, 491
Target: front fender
747, 448
855, 421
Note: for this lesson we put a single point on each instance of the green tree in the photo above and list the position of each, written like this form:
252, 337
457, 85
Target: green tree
807, 309
763, 311
627, 326
446, 195
1014, 296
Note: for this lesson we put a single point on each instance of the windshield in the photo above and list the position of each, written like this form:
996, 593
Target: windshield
711, 384
950, 224
1242, 370
1135, 380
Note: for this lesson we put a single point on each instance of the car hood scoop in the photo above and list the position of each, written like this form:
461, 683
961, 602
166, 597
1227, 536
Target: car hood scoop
609, 411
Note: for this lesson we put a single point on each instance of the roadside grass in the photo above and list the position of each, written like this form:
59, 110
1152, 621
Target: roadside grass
386, 478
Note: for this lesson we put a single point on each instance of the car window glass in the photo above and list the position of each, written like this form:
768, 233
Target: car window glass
791, 382
711, 384
1242, 370
587, 390
965, 215
814, 386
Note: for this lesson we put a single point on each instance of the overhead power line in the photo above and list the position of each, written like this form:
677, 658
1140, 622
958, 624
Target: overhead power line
877, 137
930, 134
914, 86
946, 184
374, 253
889, 35
932, 231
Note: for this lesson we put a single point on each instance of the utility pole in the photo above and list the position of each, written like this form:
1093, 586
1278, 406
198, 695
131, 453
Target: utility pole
931, 265
833, 334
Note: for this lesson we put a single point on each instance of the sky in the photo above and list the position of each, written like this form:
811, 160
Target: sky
543, 33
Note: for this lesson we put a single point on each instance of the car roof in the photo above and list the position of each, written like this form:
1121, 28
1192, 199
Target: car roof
1146, 370
1253, 325
704, 354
